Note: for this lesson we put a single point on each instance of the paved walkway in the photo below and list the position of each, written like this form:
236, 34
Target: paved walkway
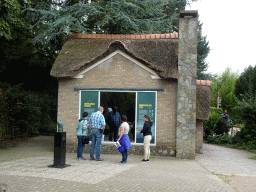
231, 165
25, 168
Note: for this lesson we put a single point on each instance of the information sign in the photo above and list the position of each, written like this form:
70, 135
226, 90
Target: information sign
89, 102
146, 105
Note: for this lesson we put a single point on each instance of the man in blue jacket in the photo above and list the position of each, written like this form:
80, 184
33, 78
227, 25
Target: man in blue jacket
113, 120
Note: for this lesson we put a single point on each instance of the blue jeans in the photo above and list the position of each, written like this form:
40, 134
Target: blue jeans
80, 147
125, 156
96, 139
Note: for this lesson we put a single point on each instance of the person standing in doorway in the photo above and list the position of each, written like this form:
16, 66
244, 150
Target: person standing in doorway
147, 137
82, 130
113, 120
97, 124
123, 139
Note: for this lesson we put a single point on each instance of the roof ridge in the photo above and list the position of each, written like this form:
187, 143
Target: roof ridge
125, 36
203, 82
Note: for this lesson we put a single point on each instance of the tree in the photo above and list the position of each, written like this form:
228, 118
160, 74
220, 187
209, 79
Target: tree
246, 82
246, 108
225, 86
203, 50
247, 113
9, 18
115, 16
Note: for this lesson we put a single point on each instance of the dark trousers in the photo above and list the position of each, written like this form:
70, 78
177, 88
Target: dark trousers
125, 156
80, 147
111, 130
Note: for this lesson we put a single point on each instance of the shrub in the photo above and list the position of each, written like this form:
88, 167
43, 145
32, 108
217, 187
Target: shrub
33, 114
247, 110
215, 124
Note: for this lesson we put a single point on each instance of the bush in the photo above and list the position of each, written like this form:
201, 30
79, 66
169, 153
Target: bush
228, 140
247, 110
6, 112
25, 113
34, 113
219, 139
215, 124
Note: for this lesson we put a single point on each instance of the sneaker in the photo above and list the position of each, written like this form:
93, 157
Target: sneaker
121, 163
81, 158
144, 161
147, 160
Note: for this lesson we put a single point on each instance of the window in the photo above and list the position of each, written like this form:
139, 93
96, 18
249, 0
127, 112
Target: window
133, 104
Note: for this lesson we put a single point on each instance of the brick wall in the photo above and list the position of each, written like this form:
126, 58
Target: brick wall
120, 72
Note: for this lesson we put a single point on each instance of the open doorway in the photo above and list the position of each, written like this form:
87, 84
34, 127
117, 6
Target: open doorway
125, 103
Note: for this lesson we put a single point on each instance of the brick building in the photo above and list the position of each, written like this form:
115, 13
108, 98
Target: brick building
154, 72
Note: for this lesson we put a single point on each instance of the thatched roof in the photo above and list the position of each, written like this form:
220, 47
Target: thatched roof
203, 99
158, 52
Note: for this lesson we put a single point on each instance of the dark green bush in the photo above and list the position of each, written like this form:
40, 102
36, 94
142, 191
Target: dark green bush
25, 113
34, 113
247, 112
215, 124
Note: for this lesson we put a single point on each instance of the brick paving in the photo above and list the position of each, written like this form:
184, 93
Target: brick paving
25, 168
233, 166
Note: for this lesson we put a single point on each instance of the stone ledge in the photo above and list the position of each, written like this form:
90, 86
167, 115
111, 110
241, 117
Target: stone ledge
136, 150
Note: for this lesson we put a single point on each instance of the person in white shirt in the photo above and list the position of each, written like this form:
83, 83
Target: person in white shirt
123, 139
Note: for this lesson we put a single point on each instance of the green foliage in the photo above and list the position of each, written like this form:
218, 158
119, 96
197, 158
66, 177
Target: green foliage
219, 139
9, 18
4, 118
25, 113
215, 124
246, 83
203, 50
253, 158
225, 86
246, 109
7, 108
216, 111
228, 140
116, 16
34, 113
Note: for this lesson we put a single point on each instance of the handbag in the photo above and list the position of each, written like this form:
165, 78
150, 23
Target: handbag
85, 140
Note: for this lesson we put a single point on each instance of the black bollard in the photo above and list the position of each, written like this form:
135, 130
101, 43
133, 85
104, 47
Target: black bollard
59, 150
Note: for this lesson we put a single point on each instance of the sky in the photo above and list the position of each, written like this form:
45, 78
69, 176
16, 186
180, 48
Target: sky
230, 27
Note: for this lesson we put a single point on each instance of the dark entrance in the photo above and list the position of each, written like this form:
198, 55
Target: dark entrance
125, 103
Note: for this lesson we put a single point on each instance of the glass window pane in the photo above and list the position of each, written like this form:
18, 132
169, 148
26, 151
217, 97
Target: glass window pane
146, 105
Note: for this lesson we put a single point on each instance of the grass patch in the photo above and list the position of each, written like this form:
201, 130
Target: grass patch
253, 151
253, 158
225, 178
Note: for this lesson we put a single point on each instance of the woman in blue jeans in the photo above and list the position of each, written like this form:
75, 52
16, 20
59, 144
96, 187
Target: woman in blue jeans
123, 139
82, 130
